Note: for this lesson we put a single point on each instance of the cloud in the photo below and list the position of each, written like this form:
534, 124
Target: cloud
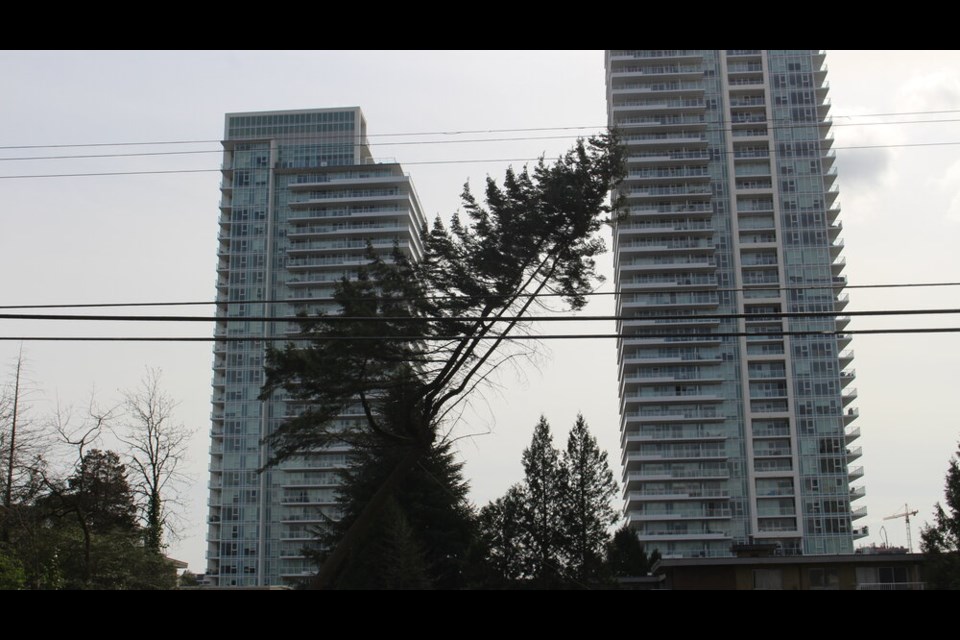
865, 158
949, 182
933, 91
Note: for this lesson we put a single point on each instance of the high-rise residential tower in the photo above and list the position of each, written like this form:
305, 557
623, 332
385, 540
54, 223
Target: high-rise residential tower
301, 200
735, 415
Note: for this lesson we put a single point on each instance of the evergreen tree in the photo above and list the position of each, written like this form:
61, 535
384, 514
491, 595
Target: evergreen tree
83, 533
551, 529
502, 528
626, 555
422, 536
588, 513
541, 519
442, 322
941, 541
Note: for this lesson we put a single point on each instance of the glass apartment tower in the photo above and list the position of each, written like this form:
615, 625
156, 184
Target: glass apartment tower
735, 424
301, 200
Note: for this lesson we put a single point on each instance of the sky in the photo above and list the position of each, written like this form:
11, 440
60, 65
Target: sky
151, 236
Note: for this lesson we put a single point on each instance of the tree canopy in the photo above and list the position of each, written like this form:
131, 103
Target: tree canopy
414, 337
941, 540
551, 529
418, 334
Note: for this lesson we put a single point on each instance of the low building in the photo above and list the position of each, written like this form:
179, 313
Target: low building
860, 571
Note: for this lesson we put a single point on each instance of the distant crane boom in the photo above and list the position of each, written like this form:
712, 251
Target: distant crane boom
906, 514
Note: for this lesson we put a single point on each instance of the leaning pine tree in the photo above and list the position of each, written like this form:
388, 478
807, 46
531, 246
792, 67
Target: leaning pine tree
413, 340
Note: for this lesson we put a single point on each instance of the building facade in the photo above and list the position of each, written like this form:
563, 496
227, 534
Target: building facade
301, 200
735, 415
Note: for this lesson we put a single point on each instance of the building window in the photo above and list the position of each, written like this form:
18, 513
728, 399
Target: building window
768, 579
824, 579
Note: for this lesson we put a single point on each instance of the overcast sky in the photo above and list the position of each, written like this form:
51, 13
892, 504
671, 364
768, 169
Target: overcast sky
152, 237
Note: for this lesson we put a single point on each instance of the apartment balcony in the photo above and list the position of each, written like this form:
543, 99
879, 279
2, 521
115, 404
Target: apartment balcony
645, 327
776, 493
638, 338
672, 263
691, 453
645, 515
318, 518
661, 537
859, 512
853, 453
685, 173
674, 495
854, 473
639, 399
860, 532
843, 340
857, 492
699, 246
829, 177
307, 264
851, 415
297, 249
656, 71
668, 283
667, 191
672, 156
320, 231
679, 303
823, 108
645, 360
308, 502
654, 227
784, 452
850, 435
755, 185
834, 230
676, 437
764, 223
771, 530
676, 474
660, 54
846, 358
665, 88
391, 179
302, 206
677, 415
849, 396
777, 513
891, 586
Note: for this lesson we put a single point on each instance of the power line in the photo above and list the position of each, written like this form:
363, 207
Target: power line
428, 162
665, 289
112, 155
432, 133
109, 173
771, 124
768, 123
578, 336
467, 319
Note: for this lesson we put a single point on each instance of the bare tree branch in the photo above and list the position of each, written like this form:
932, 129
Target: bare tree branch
156, 447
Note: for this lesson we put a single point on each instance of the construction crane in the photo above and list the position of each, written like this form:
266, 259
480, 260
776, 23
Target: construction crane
906, 514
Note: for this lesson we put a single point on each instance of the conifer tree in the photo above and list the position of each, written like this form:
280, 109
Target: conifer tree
545, 490
434, 329
588, 513
941, 541
550, 530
